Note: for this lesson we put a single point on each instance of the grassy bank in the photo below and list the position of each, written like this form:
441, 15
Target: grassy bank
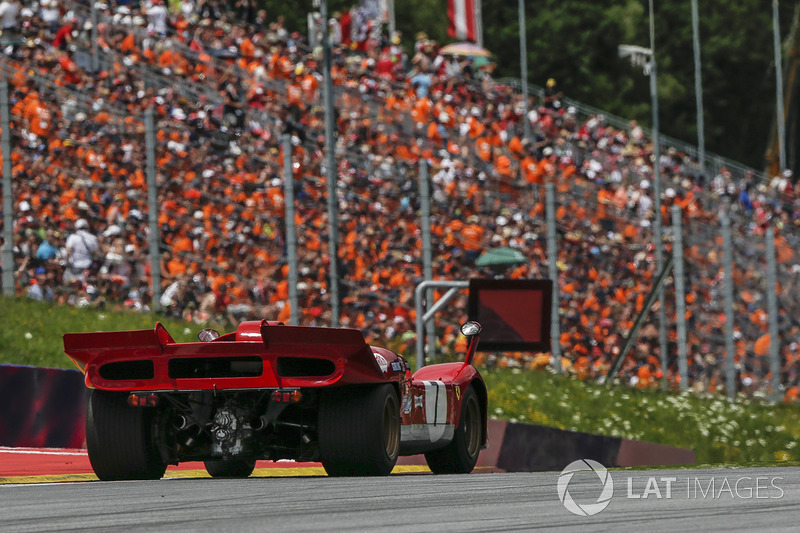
32, 331
720, 432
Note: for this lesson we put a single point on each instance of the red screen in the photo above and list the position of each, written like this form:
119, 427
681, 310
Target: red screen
514, 314
510, 315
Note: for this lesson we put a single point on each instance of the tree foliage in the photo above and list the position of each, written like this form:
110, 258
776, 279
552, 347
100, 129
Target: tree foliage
576, 42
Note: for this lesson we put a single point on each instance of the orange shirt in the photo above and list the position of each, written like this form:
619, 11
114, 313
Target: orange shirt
473, 237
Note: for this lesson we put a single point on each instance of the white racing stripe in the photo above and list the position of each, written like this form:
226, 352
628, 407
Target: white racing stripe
42, 451
435, 408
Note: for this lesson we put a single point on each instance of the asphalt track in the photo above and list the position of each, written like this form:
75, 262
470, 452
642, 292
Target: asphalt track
764, 499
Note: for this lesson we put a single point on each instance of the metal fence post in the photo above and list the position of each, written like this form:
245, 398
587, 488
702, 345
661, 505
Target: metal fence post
152, 206
291, 231
698, 89
95, 59
552, 255
8, 196
523, 58
680, 296
772, 312
727, 260
330, 164
427, 249
781, 115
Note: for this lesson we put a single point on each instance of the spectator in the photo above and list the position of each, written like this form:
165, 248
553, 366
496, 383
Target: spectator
421, 83
9, 18
552, 96
744, 199
81, 247
50, 14
47, 250
63, 37
221, 203
157, 16
40, 289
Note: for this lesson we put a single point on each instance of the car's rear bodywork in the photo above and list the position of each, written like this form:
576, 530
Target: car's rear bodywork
268, 391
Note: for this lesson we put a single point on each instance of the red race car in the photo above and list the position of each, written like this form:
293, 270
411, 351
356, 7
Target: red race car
271, 391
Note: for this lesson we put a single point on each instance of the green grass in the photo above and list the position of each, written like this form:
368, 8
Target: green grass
719, 431
32, 331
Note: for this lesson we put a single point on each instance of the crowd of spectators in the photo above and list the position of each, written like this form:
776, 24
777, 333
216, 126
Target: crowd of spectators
79, 174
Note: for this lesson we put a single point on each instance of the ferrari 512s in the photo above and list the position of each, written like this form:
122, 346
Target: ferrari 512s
271, 391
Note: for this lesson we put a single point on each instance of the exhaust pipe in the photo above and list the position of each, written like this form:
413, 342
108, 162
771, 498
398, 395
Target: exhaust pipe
258, 424
180, 422
190, 431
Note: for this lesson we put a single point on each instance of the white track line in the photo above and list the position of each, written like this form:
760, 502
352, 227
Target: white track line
42, 451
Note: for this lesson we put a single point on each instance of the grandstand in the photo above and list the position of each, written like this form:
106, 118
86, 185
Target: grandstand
223, 95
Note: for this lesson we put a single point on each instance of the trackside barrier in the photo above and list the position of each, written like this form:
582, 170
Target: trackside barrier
515, 447
42, 407
529, 448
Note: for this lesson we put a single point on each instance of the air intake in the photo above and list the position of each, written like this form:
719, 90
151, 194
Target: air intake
215, 367
302, 367
127, 370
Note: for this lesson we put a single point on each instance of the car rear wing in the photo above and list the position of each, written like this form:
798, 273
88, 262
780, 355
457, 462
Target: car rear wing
260, 354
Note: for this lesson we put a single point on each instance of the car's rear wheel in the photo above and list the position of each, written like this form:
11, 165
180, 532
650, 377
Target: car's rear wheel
460, 456
119, 438
230, 468
359, 430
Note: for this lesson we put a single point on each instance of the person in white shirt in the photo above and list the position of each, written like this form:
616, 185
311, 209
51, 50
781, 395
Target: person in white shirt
81, 247
50, 15
157, 16
187, 8
9, 15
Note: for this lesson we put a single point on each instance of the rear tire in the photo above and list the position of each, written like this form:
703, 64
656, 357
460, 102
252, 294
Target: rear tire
359, 431
460, 456
240, 468
119, 438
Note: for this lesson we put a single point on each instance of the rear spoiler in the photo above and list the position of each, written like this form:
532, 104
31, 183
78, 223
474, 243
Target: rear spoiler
82, 348
282, 350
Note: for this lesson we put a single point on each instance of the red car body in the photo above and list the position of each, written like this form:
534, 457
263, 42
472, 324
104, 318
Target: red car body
271, 391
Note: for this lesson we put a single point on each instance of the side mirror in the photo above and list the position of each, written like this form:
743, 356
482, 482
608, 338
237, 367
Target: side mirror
470, 328
208, 335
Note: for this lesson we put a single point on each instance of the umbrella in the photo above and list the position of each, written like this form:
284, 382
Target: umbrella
465, 49
503, 256
481, 62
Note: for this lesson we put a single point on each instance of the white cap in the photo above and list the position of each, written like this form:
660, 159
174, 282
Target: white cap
112, 230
